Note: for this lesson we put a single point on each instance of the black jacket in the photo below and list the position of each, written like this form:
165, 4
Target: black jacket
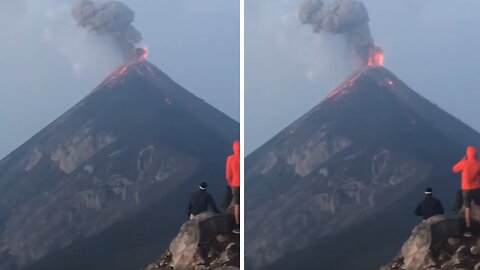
201, 201
429, 207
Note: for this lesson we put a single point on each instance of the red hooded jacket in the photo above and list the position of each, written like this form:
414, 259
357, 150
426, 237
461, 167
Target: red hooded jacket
233, 166
470, 168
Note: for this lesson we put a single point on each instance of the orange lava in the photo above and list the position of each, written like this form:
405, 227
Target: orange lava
117, 74
341, 89
376, 57
121, 71
144, 55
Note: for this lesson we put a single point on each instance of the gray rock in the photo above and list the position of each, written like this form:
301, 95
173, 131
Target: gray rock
184, 247
475, 250
453, 241
203, 243
420, 253
416, 251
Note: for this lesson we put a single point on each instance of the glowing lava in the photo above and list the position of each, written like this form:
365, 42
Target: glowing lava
141, 53
116, 75
339, 90
376, 57
144, 55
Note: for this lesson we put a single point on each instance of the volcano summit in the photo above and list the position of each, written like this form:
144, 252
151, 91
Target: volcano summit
336, 189
108, 177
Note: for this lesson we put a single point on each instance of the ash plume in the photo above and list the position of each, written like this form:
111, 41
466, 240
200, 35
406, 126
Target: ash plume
112, 18
345, 17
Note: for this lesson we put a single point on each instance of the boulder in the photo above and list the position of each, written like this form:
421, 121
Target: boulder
437, 244
205, 242
416, 251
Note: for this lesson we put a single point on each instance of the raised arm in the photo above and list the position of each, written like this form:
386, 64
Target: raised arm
459, 166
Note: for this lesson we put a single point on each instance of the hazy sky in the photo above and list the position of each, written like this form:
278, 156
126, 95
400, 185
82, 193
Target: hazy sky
432, 45
47, 63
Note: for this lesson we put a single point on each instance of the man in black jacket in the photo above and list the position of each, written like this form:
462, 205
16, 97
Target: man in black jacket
201, 201
429, 206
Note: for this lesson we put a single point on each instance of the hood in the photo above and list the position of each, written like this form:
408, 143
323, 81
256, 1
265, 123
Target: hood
236, 148
471, 152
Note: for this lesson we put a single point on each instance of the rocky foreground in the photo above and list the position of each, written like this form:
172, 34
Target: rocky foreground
438, 243
203, 243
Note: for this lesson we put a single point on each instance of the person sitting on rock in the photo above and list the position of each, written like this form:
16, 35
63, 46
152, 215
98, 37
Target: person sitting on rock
201, 201
233, 180
429, 206
470, 168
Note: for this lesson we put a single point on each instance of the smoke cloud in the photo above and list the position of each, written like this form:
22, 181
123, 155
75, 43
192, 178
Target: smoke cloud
345, 17
112, 18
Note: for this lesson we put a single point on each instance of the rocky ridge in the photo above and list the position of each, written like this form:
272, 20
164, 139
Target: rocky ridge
429, 248
203, 243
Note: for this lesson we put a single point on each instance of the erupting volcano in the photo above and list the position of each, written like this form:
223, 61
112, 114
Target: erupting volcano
343, 179
348, 18
113, 19
107, 178
142, 53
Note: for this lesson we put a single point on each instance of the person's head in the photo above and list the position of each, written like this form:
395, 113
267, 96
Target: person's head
236, 147
203, 186
471, 152
428, 191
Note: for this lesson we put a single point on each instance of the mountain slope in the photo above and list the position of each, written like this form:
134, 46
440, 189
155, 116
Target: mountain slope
363, 153
137, 138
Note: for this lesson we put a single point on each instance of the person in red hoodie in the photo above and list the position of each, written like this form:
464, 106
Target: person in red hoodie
470, 168
233, 179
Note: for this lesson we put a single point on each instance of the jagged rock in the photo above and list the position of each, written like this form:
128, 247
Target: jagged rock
459, 256
416, 251
203, 243
425, 250
453, 241
475, 250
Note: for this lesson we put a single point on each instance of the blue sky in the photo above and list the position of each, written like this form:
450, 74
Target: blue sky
432, 45
48, 63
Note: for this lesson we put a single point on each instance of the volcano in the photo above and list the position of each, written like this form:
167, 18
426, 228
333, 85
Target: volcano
105, 186
336, 189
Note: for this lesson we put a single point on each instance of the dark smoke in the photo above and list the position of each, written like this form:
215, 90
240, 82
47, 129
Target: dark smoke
112, 18
346, 17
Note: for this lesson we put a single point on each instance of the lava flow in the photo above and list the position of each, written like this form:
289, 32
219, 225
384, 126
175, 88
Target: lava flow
136, 55
376, 57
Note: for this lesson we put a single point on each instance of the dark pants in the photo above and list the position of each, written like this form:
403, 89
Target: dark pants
227, 199
469, 196
236, 195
